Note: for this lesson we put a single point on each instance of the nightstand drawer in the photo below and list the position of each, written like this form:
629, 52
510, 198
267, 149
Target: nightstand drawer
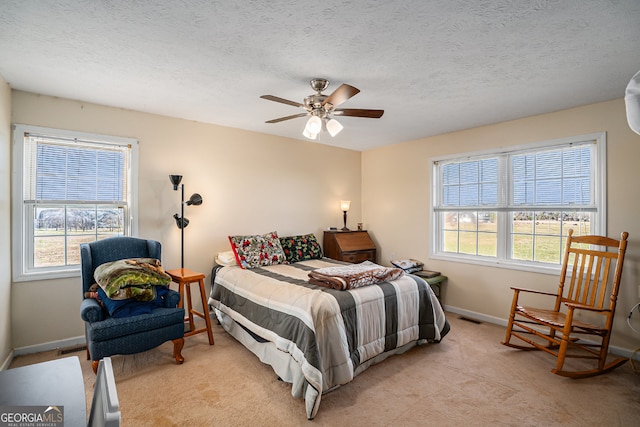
359, 256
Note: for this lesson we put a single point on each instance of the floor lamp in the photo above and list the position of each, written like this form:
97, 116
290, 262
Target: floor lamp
181, 221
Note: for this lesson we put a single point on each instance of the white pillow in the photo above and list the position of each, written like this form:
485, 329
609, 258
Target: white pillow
632, 100
227, 258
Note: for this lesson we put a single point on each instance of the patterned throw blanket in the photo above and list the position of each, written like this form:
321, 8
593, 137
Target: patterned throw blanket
353, 276
131, 278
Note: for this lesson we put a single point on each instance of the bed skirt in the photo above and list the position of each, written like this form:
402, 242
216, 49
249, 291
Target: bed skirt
286, 368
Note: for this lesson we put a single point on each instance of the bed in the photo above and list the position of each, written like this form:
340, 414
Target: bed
317, 338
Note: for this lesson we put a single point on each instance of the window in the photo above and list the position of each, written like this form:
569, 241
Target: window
515, 207
68, 188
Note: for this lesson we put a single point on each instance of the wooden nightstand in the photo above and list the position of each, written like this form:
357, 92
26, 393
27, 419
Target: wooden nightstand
184, 276
349, 246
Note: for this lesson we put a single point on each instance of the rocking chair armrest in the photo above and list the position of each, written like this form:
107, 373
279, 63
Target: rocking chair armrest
573, 305
534, 291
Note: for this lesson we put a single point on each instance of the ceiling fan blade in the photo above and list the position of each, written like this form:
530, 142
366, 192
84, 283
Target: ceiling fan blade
281, 100
358, 112
282, 119
341, 94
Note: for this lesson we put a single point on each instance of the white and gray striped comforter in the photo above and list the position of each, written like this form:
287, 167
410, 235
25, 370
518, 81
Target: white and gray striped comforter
329, 333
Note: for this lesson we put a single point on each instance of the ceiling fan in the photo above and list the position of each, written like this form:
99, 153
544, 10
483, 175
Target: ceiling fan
322, 108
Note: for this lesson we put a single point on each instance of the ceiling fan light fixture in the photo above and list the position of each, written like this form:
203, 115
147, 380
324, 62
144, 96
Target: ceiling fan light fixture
334, 127
314, 125
308, 134
320, 109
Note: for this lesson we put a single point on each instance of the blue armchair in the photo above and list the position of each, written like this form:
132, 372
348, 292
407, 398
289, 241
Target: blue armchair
108, 336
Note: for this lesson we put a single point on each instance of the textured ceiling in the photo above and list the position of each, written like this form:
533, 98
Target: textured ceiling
433, 66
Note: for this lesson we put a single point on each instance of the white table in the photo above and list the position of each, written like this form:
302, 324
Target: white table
55, 383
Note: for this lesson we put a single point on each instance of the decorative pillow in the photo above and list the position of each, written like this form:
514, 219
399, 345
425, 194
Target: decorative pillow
258, 250
131, 278
300, 248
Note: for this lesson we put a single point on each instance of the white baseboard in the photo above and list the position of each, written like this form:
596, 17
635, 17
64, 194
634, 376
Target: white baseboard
7, 361
624, 352
53, 345
475, 315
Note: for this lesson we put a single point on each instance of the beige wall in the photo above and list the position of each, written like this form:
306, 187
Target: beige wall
5, 224
253, 183
250, 183
397, 187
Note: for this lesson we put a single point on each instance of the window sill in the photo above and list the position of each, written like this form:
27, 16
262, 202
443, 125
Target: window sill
492, 262
47, 275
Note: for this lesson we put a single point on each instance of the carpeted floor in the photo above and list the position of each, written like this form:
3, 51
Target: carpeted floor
468, 379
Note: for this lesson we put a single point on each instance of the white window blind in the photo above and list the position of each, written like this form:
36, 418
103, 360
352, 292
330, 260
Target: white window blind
559, 177
72, 171
470, 184
554, 177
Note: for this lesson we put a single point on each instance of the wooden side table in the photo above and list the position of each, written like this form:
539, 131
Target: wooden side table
436, 281
349, 246
184, 278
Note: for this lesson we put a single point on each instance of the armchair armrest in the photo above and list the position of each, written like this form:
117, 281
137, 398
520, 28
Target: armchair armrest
90, 311
171, 299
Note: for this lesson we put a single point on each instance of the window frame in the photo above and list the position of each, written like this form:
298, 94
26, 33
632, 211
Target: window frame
502, 259
23, 228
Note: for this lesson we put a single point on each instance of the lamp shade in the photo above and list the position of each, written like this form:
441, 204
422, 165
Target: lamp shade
175, 180
180, 222
195, 200
344, 205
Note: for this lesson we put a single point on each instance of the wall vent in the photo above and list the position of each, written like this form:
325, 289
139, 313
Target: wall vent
68, 350
467, 319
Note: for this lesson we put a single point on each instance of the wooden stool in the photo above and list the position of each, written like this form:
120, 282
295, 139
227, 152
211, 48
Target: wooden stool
184, 276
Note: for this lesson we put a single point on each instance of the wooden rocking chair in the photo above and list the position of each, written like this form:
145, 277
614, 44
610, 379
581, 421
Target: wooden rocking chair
588, 292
